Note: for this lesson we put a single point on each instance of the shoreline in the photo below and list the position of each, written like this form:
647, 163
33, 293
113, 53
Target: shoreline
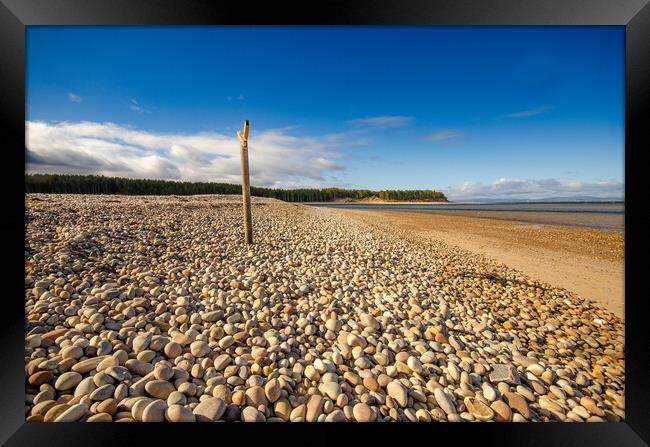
386, 202
595, 221
452, 203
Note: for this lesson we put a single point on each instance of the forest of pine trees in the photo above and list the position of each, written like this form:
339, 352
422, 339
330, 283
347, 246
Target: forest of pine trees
93, 184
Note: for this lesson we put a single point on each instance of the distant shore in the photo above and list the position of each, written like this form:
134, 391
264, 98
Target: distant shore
390, 202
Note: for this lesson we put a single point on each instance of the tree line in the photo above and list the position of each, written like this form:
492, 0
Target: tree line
95, 184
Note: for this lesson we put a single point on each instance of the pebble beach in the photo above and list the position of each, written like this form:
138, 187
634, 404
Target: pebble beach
152, 309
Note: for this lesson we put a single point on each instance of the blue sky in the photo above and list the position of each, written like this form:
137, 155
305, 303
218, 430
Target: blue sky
510, 112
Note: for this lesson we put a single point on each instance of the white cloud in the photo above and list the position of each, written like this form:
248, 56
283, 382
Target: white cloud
443, 134
382, 121
536, 189
277, 158
526, 113
74, 98
137, 107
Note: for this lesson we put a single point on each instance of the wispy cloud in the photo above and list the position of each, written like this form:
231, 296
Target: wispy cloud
74, 98
277, 157
443, 134
136, 107
536, 189
240, 97
526, 113
382, 121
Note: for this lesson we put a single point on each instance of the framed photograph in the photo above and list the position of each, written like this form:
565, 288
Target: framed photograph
412, 212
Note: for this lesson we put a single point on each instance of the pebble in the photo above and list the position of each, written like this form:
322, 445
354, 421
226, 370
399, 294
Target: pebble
517, 403
178, 413
371, 383
108, 406
209, 410
363, 413
272, 390
72, 414
137, 409
398, 392
232, 413
40, 377
155, 411
331, 390
199, 349
298, 413
139, 367
100, 417
336, 415
502, 411
422, 415
103, 392
55, 411
67, 381
159, 388
488, 392
141, 342
221, 362
314, 408
478, 409
255, 396
536, 369
443, 400
88, 365
251, 414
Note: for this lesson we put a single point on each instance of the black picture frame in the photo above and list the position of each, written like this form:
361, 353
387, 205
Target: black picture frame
15, 15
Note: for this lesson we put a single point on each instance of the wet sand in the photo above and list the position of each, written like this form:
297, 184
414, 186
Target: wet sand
586, 261
600, 221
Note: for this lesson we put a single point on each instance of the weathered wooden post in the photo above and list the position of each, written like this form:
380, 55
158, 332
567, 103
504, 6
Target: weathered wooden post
245, 184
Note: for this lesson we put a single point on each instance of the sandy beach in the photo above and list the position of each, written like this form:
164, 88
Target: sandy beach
586, 261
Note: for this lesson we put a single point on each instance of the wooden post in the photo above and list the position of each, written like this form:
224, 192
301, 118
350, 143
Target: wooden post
245, 184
